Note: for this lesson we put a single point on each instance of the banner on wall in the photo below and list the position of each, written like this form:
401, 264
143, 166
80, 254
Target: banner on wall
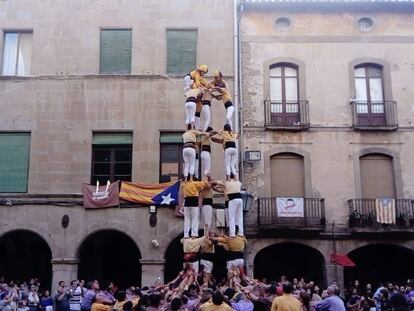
290, 207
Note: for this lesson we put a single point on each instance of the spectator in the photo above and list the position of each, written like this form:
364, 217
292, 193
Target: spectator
398, 302
286, 302
154, 302
62, 298
89, 296
332, 302
241, 303
76, 296
33, 298
216, 303
47, 301
305, 300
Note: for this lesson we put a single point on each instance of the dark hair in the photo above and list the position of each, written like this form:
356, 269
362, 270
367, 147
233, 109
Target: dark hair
229, 292
154, 300
137, 292
89, 285
305, 299
271, 290
227, 127
209, 129
184, 299
399, 302
127, 306
232, 176
175, 304
287, 288
188, 127
60, 282
217, 298
120, 296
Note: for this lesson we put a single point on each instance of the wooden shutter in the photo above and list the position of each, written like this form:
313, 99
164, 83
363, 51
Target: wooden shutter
14, 161
115, 53
377, 177
181, 50
287, 175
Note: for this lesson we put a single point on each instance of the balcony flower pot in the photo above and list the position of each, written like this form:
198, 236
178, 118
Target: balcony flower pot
401, 221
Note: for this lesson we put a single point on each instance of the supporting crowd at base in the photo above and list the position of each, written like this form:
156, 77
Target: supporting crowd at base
242, 294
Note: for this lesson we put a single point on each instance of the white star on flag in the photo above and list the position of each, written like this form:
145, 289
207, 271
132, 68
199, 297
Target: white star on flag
167, 199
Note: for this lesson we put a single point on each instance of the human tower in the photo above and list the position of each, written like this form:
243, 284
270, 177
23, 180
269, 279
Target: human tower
198, 190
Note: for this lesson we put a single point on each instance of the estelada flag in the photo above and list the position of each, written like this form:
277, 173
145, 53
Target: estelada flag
148, 194
101, 196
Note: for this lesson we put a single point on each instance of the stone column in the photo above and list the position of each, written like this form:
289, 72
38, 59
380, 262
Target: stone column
152, 269
63, 269
335, 275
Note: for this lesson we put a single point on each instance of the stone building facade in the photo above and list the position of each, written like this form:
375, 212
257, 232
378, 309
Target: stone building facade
315, 78
65, 99
303, 110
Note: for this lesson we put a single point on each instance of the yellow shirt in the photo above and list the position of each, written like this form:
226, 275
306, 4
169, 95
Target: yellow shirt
228, 136
199, 81
235, 244
232, 186
193, 188
286, 303
96, 306
210, 306
191, 136
207, 193
208, 247
206, 141
193, 245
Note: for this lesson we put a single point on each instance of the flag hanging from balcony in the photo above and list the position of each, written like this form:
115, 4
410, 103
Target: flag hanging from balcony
342, 260
95, 196
148, 194
385, 210
290, 207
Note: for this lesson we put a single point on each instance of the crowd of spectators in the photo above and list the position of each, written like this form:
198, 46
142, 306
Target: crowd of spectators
245, 294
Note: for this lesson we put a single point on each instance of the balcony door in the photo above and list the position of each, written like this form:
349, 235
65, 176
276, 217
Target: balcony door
369, 96
377, 177
284, 95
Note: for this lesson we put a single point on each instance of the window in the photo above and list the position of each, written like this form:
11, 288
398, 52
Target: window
377, 178
115, 51
365, 24
284, 88
111, 157
181, 51
17, 53
171, 160
287, 175
282, 23
14, 161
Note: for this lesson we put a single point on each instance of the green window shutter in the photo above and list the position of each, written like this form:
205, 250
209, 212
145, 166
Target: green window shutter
171, 138
14, 161
115, 52
112, 139
181, 50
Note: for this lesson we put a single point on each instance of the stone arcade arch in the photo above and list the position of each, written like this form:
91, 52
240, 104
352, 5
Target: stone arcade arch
380, 263
110, 255
293, 260
24, 255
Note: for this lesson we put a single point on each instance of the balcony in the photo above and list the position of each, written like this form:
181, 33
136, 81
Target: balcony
287, 115
312, 220
363, 216
374, 115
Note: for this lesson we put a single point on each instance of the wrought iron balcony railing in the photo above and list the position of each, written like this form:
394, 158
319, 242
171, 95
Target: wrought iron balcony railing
313, 215
287, 115
364, 213
374, 115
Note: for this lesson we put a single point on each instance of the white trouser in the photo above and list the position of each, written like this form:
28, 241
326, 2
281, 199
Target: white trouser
235, 264
205, 163
207, 212
193, 265
229, 116
230, 161
236, 216
207, 116
189, 157
208, 265
191, 220
226, 216
190, 110
197, 123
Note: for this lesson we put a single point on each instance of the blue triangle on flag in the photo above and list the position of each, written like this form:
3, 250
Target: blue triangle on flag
168, 196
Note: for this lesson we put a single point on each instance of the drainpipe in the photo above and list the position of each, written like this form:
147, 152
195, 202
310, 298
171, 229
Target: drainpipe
237, 86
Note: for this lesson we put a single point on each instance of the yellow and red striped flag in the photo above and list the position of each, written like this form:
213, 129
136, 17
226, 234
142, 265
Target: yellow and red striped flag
147, 194
385, 209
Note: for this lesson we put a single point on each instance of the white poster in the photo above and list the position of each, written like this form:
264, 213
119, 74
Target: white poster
290, 207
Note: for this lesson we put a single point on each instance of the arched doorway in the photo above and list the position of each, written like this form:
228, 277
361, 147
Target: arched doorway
25, 255
377, 263
110, 255
292, 260
174, 260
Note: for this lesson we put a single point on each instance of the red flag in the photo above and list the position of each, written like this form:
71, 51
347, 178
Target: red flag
342, 260
104, 196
